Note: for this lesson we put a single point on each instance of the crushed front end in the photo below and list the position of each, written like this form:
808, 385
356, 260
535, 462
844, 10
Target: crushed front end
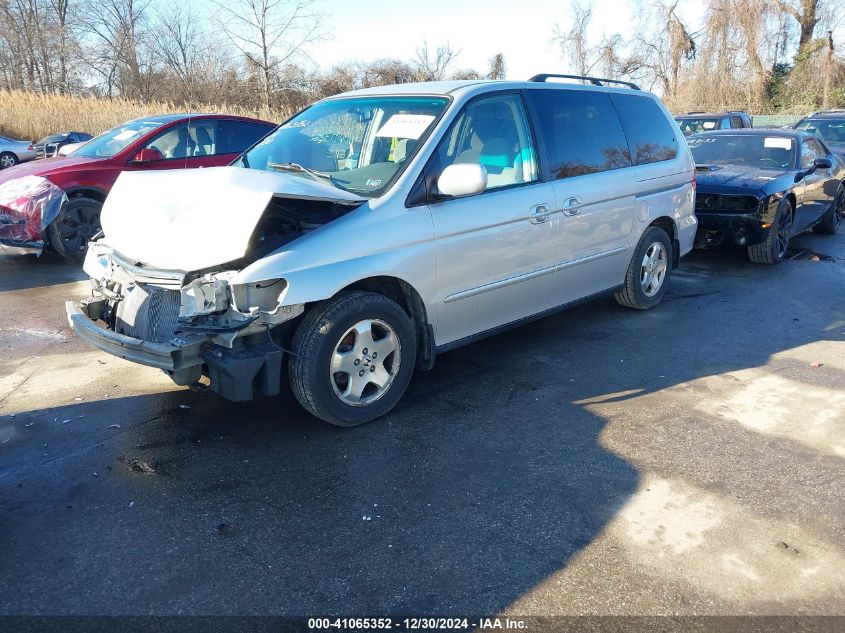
188, 324
27, 206
726, 220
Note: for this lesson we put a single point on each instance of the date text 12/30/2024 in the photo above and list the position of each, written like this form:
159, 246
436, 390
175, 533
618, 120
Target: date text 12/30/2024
412, 624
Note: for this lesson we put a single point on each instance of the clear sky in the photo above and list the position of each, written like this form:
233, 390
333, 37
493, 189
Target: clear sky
520, 29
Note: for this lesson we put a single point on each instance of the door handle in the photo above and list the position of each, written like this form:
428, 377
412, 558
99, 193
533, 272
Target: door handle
539, 213
572, 206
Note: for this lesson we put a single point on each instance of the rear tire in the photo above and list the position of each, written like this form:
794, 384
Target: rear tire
831, 220
7, 159
353, 358
773, 249
648, 272
77, 222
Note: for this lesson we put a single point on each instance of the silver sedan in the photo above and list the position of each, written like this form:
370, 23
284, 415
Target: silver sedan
13, 152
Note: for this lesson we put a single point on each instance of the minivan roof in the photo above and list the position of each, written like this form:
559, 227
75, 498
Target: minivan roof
445, 88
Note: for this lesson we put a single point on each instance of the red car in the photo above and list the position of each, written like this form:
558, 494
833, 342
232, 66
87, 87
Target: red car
57, 202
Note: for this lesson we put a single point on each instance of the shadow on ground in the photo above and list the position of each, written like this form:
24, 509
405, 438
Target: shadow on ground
19, 272
485, 480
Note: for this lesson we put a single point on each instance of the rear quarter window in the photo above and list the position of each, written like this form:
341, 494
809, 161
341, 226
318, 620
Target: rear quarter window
582, 131
651, 138
241, 135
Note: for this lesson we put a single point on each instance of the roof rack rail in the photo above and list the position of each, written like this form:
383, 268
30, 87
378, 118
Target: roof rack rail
696, 112
596, 81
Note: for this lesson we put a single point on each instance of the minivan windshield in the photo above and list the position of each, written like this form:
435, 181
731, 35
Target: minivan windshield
358, 144
747, 150
116, 139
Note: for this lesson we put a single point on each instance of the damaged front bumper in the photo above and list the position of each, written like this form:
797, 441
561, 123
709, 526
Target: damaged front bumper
181, 359
251, 367
718, 230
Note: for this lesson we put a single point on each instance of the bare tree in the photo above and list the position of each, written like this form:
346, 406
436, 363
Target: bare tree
806, 14
433, 65
119, 50
573, 43
498, 68
269, 33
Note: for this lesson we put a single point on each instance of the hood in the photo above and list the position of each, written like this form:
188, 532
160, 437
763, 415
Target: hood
45, 167
197, 218
736, 176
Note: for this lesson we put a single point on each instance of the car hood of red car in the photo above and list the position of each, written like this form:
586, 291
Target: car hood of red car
46, 167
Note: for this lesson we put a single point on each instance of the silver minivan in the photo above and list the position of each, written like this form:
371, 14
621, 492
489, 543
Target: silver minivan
379, 228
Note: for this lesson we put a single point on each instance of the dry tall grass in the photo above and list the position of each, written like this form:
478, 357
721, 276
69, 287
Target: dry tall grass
32, 116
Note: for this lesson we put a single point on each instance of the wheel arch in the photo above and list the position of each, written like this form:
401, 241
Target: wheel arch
404, 294
668, 224
80, 191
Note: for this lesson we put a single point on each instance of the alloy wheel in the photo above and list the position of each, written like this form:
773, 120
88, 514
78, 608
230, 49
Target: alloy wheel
653, 269
365, 362
77, 226
7, 161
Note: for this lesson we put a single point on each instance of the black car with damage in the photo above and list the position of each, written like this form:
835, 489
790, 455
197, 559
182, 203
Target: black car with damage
756, 188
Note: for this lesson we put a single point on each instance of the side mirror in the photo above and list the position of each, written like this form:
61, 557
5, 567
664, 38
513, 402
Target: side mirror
822, 163
148, 155
462, 179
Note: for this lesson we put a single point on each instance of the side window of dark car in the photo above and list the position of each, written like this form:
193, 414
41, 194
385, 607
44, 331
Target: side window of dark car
725, 123
651, 138
736, 121
492, 132
819, 148
240, 135
582, 131
810, 151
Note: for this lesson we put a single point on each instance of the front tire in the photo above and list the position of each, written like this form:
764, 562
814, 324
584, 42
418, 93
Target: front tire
77, 222
831, 220
7, 159
648, 273
773, 249
353, 358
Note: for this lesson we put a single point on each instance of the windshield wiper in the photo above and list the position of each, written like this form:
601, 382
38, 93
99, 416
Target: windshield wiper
319, 176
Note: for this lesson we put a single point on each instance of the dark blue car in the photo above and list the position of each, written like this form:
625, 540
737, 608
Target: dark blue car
829, 126
758, 187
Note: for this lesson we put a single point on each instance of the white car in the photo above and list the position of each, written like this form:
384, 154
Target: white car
64, 150
13, 152
380, 228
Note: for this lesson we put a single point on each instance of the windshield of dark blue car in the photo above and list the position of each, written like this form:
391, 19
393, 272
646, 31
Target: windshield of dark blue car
692, 126
829, 130
760, 151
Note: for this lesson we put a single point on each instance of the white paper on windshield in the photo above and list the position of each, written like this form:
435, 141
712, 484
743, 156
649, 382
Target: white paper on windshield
708, 125
406, 125
778, 143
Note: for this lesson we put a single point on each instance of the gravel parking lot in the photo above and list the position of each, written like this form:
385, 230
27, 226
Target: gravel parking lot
690, 459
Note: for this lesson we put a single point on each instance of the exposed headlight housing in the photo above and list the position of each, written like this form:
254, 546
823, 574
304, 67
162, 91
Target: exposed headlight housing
207, 295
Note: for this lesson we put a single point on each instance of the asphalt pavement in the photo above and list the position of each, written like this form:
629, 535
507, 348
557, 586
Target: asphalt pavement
685, 460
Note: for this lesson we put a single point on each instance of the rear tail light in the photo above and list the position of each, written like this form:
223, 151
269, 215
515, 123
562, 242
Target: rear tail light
31, 147
693, 180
